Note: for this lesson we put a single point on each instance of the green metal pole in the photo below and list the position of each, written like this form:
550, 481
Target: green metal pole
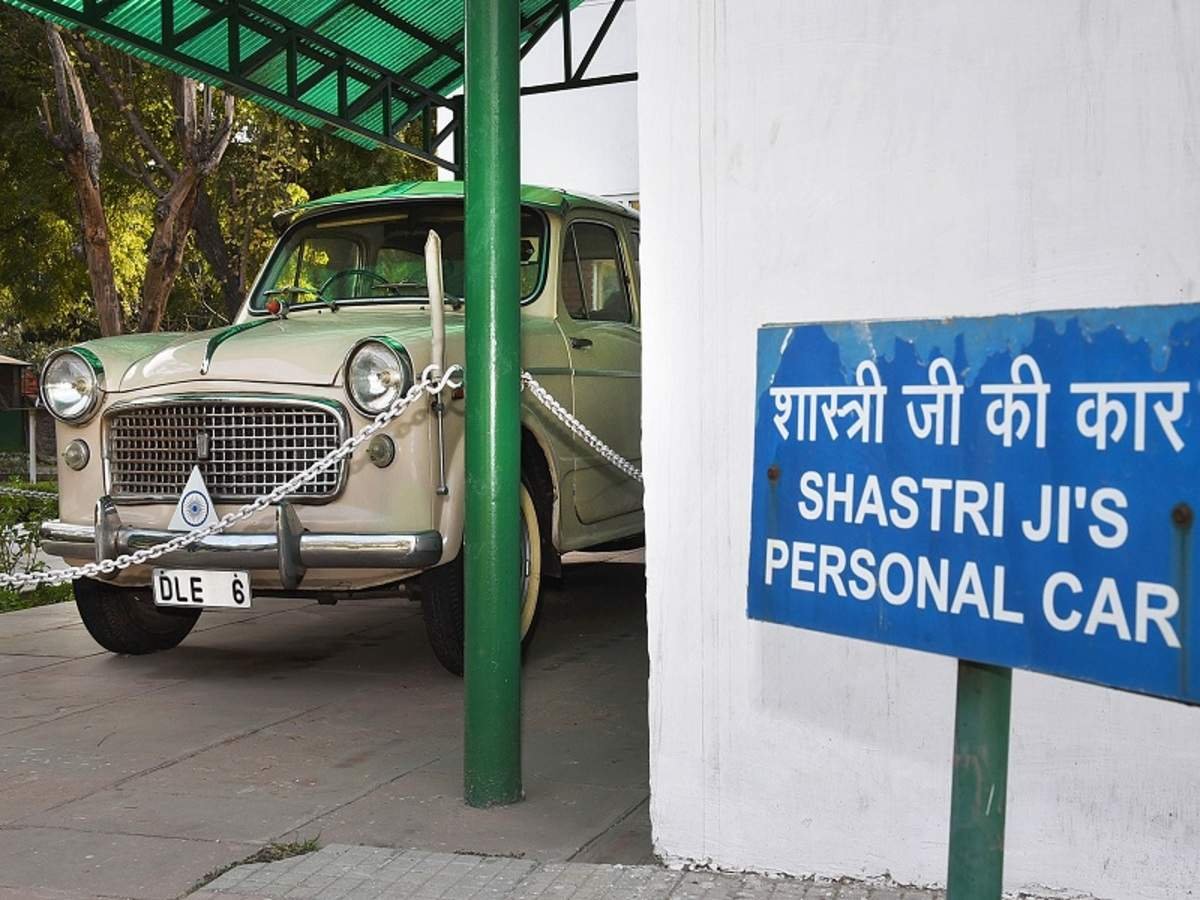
980, 784
492, 759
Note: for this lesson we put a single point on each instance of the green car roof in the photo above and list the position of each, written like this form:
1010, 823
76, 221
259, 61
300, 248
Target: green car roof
531, 195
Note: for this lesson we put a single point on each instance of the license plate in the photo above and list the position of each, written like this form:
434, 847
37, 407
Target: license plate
197, 589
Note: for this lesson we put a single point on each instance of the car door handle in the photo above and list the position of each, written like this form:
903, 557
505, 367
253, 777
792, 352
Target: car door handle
579, 343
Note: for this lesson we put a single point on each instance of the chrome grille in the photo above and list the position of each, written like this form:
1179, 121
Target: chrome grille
252, 446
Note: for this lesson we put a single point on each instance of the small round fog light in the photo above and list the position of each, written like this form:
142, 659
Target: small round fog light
381, 451
77, 454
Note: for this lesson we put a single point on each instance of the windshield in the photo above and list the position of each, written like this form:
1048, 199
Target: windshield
378, 255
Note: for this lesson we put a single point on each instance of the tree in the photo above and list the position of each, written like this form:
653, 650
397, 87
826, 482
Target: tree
42, 276
270, 163
81, 150
274, 163
202, 135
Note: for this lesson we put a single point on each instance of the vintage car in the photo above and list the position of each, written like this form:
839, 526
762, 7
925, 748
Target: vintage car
336, 325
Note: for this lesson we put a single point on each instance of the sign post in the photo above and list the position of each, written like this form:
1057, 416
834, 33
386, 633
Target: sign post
979, 789
1013, 491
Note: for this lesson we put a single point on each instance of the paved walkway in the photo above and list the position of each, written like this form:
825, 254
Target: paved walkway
136, 776
342, 872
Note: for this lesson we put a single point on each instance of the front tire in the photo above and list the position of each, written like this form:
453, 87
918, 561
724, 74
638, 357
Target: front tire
441, 592
125, 620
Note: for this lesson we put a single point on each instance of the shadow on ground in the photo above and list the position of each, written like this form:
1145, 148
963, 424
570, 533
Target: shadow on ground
126, 776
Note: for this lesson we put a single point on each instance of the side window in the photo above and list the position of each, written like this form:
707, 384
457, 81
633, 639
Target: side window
531, 259
635, 248
592, 280
569, 281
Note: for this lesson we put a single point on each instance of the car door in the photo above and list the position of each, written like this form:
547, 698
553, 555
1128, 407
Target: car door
600, 322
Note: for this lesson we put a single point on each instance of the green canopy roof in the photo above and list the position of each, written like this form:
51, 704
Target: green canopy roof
363, 68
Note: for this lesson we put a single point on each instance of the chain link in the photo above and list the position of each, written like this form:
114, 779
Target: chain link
22, 492
431, 382
607, 453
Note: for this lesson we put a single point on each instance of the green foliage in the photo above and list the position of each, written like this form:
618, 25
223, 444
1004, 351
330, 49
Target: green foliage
44, 595
272, 163
43, 282
20, 519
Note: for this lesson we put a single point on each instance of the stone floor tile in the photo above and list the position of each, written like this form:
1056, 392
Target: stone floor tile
371, 873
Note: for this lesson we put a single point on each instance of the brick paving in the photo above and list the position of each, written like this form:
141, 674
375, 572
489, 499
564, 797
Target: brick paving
346, 872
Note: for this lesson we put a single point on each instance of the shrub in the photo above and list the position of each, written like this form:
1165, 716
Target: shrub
20, 520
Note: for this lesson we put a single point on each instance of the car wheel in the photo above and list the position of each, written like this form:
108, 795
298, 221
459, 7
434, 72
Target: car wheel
125, 620
441, 591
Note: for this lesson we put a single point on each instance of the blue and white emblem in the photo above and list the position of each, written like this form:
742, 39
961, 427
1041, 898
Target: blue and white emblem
195, 507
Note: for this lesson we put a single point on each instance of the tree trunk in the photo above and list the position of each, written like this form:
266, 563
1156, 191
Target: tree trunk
79, 143
96, 249
202, 137
211, 243
173, 216
202, 142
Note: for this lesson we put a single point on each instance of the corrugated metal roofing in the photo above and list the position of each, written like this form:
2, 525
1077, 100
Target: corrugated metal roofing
360, 67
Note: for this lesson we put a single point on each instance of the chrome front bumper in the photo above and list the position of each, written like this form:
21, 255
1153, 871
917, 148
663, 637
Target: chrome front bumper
289, 549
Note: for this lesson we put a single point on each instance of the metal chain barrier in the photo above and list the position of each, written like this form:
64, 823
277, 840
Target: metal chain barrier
24, 492
431, 382
580, 430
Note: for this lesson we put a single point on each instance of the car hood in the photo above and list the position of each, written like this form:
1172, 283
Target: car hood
306, 348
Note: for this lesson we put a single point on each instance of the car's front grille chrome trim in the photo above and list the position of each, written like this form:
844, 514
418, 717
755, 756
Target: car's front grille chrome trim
243, 444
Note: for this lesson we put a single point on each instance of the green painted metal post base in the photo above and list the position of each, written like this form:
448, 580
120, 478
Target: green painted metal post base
492, 750
980, 784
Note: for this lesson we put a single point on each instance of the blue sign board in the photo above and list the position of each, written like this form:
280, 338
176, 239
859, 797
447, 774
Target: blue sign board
1016, 490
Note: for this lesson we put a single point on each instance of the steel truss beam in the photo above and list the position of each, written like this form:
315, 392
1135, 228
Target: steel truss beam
371, 101
575, 76
353, 73
379, 86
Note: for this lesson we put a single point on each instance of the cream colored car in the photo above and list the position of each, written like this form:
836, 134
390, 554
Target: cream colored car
334, 329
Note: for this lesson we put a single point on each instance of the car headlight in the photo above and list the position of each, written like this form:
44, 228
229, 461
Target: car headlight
71, 387
377, 372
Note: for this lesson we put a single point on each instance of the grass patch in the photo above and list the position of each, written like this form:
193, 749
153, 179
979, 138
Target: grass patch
273, 852
42, 595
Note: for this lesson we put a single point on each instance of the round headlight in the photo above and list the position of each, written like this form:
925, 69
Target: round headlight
70, 387
376, 374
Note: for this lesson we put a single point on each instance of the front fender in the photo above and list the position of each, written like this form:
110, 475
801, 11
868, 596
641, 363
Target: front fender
449, 510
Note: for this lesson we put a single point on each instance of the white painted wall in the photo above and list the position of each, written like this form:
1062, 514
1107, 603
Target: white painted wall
817, 159
583, 140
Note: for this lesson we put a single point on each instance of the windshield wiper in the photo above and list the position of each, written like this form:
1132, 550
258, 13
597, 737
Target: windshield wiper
396, 289
422, 292
295, 290
292, 290
415, 289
